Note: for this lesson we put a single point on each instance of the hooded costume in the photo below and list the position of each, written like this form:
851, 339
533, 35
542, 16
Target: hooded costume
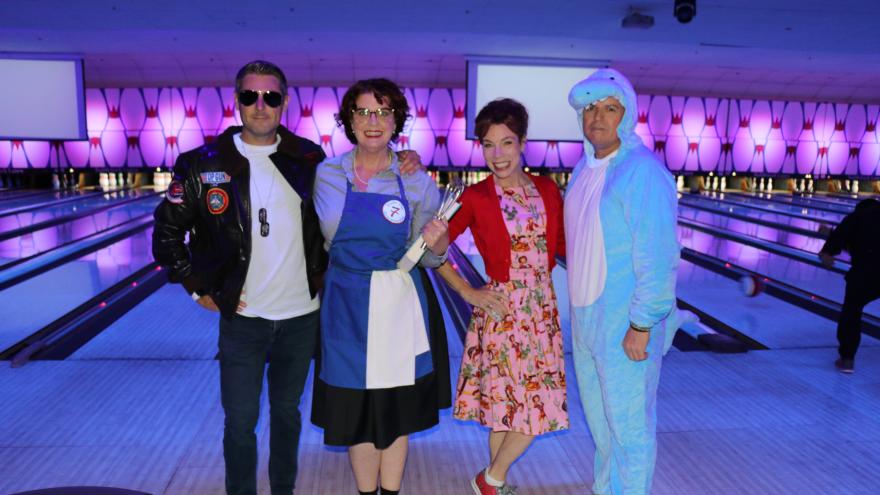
622, 254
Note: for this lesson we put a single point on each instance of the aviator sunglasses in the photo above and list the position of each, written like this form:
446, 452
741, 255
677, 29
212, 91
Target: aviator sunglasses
248, 97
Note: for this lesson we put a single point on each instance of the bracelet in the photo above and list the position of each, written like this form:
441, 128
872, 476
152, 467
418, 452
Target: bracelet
639, 329
445, 256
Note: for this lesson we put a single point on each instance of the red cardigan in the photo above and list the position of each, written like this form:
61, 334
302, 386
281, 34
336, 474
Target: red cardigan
481, 211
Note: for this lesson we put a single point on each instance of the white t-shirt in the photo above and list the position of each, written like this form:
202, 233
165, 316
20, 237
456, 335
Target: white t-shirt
276, 286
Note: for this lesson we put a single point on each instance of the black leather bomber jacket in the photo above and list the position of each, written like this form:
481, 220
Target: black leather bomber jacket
209, 198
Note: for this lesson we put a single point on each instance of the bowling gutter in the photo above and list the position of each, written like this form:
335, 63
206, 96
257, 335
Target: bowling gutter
67, 334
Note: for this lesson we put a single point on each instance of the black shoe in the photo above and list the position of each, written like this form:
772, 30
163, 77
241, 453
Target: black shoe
845, 365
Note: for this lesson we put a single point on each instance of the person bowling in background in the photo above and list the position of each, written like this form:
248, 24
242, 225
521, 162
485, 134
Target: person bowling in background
859, 234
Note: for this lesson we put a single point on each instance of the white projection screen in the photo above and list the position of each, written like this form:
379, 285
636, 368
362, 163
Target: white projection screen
42, 98
541, 85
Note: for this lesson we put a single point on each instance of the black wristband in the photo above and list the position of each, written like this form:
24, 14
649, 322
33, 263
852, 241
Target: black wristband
639, 329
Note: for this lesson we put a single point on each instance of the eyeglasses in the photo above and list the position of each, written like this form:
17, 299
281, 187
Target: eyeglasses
363, 114
264, 224
248, 97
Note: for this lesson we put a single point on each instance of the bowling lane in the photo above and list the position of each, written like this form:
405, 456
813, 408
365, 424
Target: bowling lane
9, 223
46, 239
797, 221
803, 201
30, 305
812, 278
768, 233
850, 198
722, 200
840, 201
18, 199
800, 221
770, 321
37, 205
165, 325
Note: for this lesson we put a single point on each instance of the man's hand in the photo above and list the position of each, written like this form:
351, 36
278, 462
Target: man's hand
635, 344
827, 259
410, 162
208, 303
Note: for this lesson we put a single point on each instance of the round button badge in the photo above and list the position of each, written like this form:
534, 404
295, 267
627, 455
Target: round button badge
393, 211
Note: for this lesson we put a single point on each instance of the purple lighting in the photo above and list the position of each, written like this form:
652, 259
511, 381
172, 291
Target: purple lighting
136, 127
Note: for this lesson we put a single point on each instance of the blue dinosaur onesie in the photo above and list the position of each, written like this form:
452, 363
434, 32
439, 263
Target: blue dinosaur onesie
628, 274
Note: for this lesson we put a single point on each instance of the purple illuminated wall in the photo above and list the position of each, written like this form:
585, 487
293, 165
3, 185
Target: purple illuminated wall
137, 127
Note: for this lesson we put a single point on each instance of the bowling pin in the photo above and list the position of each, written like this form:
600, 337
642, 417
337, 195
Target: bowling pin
855, 187
103, 181
112, 180
56, 181
723, 183
770, 184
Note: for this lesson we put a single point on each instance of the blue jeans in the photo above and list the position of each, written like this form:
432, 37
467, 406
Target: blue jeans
245, 344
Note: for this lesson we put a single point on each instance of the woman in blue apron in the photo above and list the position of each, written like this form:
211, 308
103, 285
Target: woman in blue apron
383, 366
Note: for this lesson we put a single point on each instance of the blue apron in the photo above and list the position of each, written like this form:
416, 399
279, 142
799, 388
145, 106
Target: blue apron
365, 241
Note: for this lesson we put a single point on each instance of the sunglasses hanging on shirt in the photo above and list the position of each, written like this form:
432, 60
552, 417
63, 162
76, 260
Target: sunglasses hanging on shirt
264, 223
248, 97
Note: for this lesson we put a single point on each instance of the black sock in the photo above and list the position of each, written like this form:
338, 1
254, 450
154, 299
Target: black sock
386, 491
374, 492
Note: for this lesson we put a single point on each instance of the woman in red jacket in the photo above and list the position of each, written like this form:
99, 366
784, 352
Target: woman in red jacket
512, 376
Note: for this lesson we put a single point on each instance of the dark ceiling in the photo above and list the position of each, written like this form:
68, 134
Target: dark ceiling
779, 49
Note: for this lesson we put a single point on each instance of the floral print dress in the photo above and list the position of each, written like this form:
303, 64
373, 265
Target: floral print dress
512, 374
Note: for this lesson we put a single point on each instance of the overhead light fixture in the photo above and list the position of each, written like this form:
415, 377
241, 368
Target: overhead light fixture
685, 10
637, 20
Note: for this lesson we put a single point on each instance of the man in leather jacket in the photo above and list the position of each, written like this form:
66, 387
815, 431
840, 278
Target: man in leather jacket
256, 255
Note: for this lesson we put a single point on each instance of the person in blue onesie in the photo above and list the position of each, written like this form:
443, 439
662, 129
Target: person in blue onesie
622, 254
